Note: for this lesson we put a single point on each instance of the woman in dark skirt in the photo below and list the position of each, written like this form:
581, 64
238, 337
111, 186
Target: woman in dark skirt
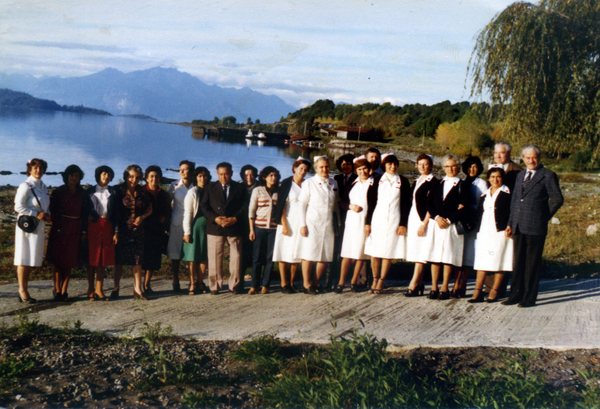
156, 226
69, 209
134, 207
195, 248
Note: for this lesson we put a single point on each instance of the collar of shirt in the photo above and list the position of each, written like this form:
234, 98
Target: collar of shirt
454, 180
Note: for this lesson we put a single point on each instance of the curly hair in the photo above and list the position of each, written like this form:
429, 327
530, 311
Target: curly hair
70, 170
35, 161
266, 172
134, 167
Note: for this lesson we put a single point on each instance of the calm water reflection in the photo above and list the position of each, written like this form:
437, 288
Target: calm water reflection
90, 141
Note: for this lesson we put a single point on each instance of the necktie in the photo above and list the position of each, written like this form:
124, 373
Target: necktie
225, 192
526, 180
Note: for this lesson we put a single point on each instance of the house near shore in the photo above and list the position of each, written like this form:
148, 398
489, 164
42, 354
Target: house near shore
350, 133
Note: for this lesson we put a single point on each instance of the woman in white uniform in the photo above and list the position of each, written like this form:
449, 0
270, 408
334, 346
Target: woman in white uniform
32, 199
446, 205
318, 216
419, 238
472, 167
287, 216
494, 251
355, 201
388, 220
178, 191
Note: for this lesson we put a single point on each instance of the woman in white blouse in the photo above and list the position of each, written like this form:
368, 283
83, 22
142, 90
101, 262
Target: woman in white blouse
355, 202
178, 190
32, 199
318, 216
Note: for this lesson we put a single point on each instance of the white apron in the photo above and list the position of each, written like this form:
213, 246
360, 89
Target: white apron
383, 242
493, 250
178, 191
320, 199
418, 248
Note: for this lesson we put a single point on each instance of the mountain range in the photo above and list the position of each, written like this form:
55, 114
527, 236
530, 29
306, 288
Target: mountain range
162, 93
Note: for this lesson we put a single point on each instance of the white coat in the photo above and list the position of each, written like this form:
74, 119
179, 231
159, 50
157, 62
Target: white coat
353, 245
319, 200
384, 242
178, 192
29, 247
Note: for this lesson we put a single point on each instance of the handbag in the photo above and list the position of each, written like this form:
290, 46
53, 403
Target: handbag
463, 228
29, 223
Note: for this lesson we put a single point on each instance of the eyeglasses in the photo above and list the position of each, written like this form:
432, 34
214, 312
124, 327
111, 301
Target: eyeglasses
450, 167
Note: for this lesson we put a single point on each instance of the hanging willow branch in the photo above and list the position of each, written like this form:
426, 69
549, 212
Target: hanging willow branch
540, 65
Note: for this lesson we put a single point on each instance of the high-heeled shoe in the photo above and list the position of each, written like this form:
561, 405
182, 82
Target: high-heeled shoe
138, 296
444, 295
491, 300
354, 288
459, 293
115, 294
29, 300
339, 289
416, 292
479, 297
374, 285
433, 295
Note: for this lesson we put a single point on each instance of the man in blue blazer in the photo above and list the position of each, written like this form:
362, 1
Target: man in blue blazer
536, 198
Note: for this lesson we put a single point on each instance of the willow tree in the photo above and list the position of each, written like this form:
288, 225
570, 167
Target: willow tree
540, 65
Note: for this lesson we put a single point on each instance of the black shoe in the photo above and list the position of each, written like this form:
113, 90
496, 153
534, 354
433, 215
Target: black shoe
416, 292
433, 295
339, 289
526, 305
354, 288
310, 290
57, 297
510, 302
214, 292
65, 297
320, 289
477, 299
114, 295
176, 287
444, 295
30, 300
294, 290
148, 290
286, 290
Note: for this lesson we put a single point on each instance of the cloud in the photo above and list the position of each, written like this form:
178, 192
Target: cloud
73, 46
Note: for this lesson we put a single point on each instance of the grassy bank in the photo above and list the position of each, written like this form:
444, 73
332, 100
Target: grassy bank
41, 366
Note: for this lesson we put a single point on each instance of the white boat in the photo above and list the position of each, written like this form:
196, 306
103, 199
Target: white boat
262, 136
249, 134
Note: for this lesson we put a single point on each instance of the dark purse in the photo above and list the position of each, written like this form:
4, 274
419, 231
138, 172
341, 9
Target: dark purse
463, 228
29, 223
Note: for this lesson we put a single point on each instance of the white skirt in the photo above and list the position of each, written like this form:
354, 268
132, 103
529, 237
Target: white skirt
448, 246
353, 245
418, 248
286, 247
29, 247
493, 251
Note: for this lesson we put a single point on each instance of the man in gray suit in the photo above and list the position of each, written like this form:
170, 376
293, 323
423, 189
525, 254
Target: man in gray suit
536, 198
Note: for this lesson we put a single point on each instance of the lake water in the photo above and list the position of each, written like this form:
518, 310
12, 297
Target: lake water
93, 140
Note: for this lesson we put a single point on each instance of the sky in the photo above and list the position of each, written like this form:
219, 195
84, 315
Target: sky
352, 51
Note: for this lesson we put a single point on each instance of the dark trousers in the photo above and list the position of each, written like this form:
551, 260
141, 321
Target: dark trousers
262, 256
527, 266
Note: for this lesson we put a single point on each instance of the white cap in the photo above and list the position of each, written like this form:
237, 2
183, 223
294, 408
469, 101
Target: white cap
359, 158
316, 158
385, 155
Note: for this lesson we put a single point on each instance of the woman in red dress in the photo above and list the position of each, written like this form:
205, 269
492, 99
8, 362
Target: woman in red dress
69, 209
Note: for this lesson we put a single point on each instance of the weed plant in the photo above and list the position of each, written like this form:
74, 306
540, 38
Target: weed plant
263, 353
200, 399
12, 369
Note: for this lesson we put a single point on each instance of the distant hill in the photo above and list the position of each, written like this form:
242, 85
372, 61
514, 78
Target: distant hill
19, 100
162, 93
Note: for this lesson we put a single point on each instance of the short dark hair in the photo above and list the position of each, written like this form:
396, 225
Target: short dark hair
344, 158
496, 169
225, 165
248, 167
35, 161
301, 162
469, 162
70, 170
202, 169
266, 172
102, 169
135, 167
153, 168
360, 163
389, 159
191, 165
426, 157
373, 150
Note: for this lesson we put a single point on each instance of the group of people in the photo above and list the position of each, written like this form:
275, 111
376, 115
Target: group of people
367, 215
